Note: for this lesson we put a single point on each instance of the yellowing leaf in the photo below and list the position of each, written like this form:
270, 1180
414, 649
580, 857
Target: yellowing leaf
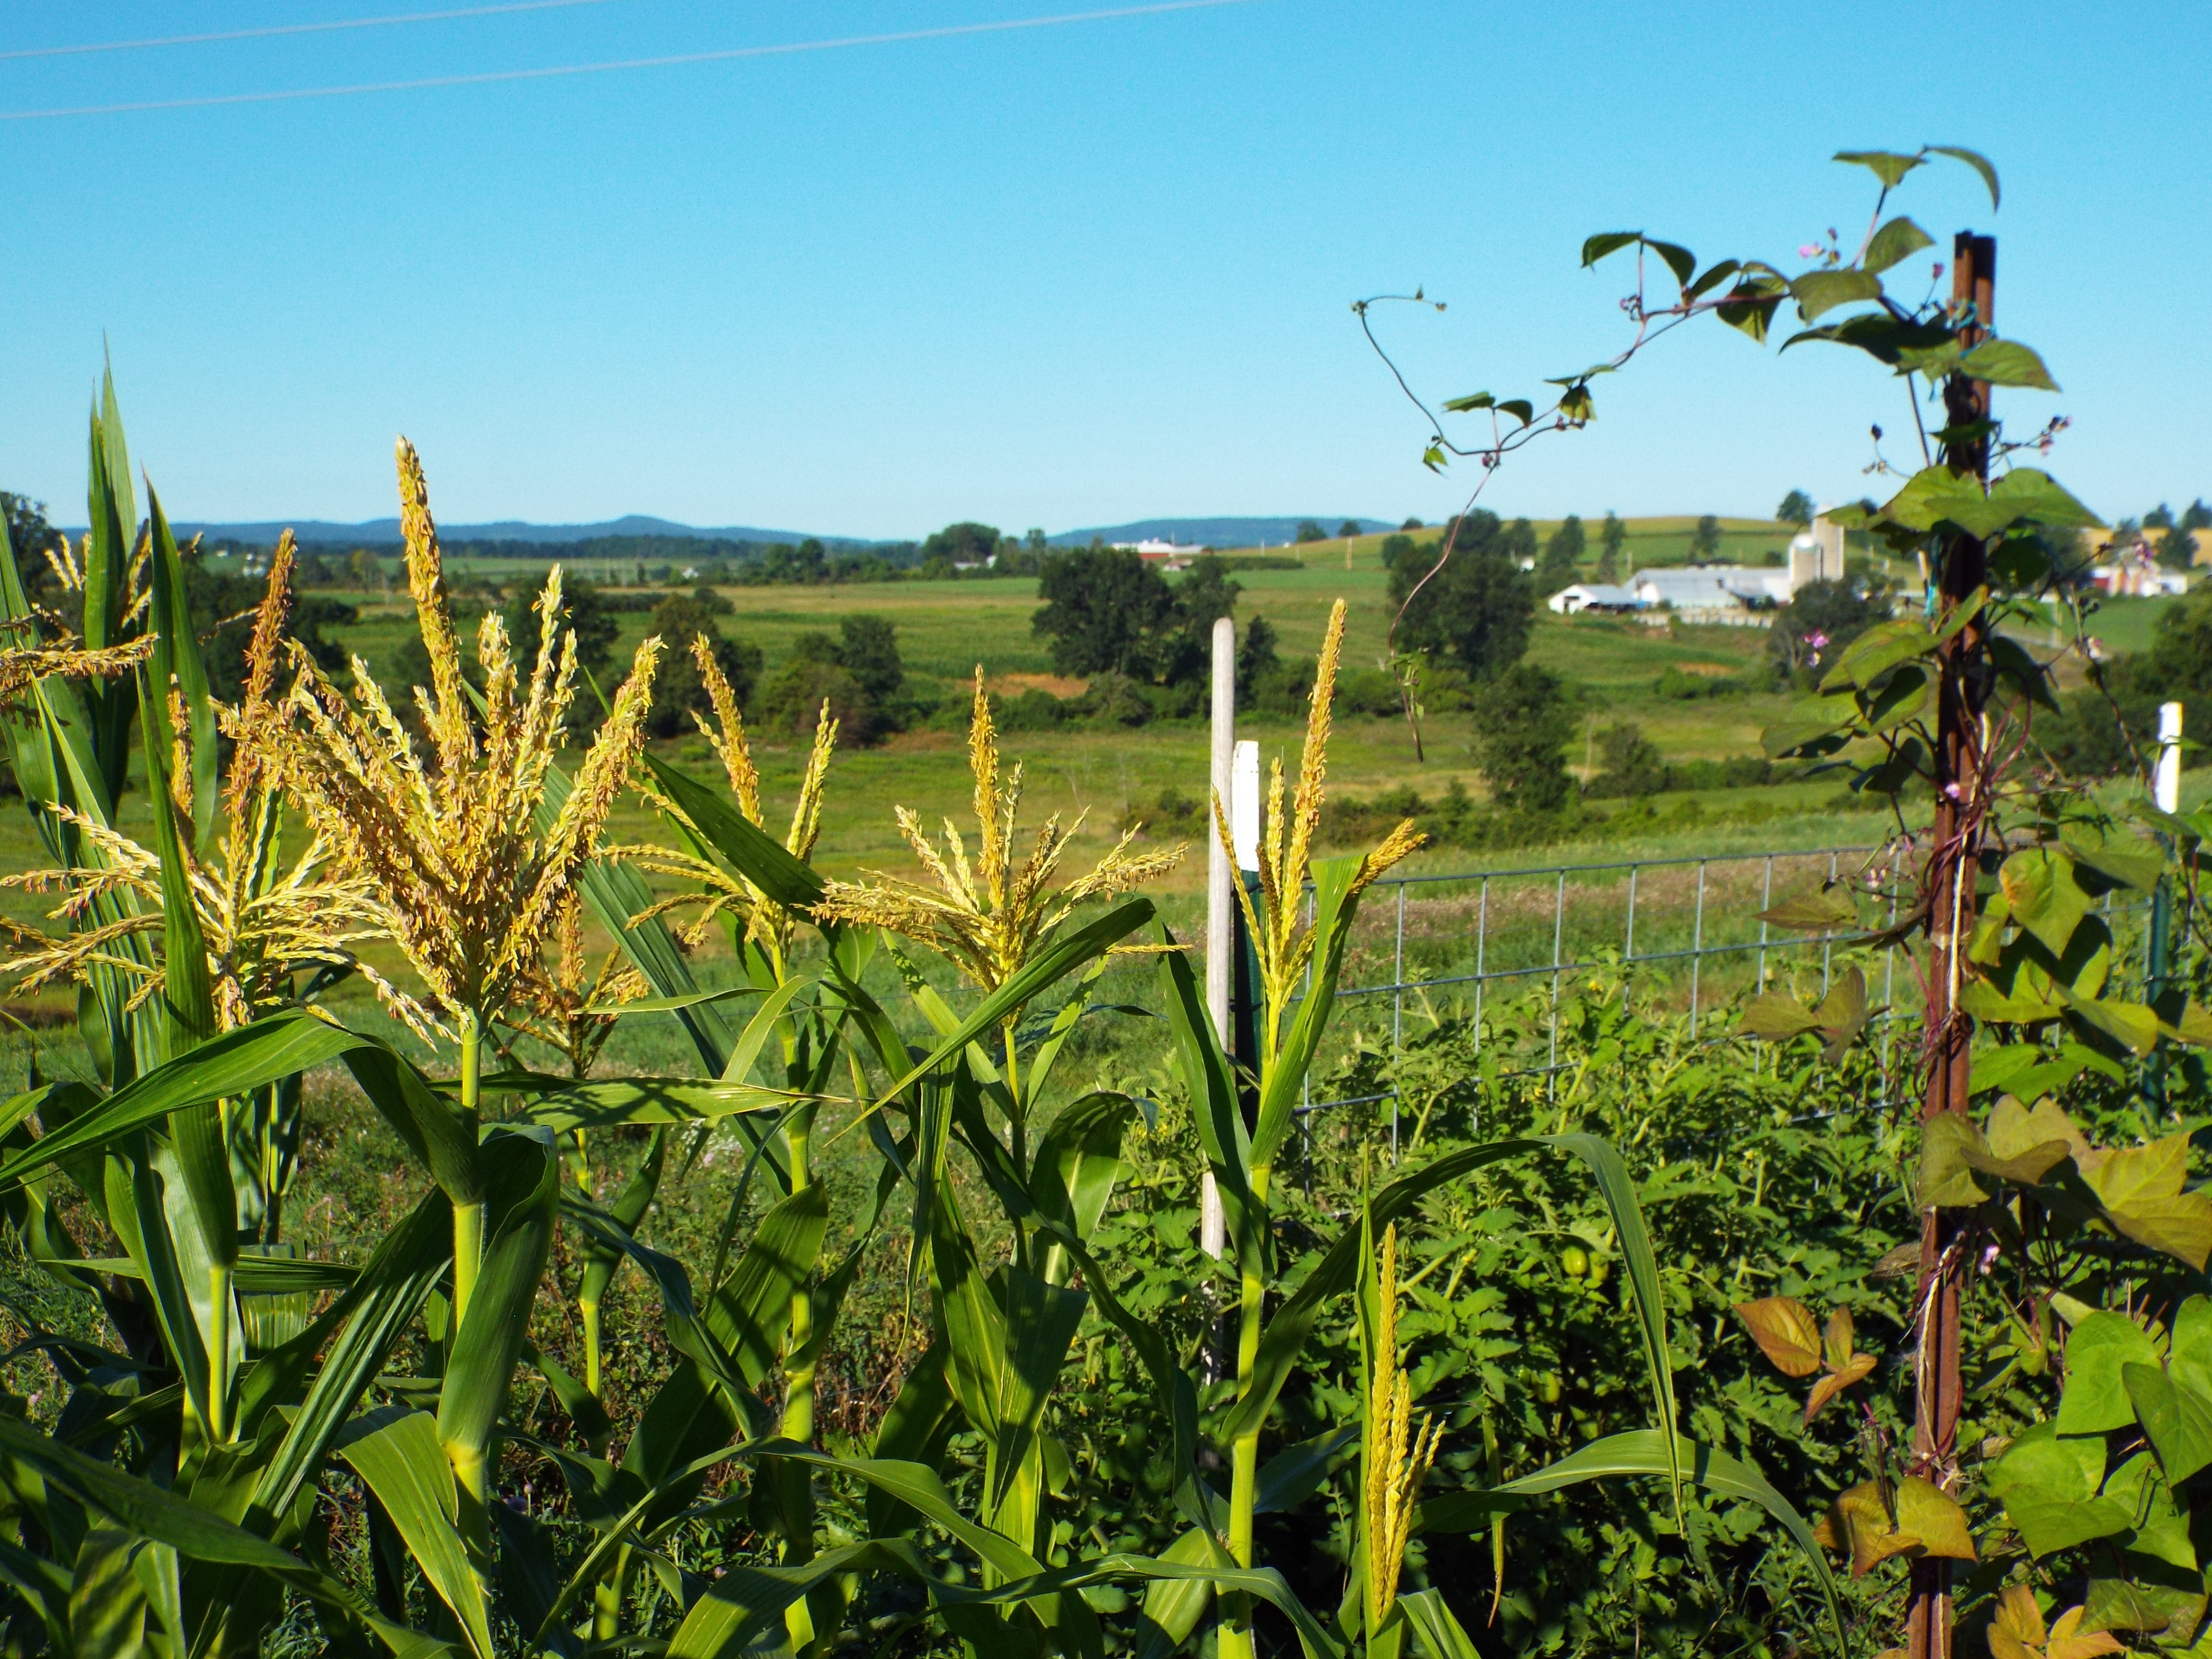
2065, 1645
1858, 1523
2013, 1129
1836, 1381
2019, 1617
1784, 1330
1838, 1341
2133, 1174
1933, 1519
1949, 1144
2179, 1227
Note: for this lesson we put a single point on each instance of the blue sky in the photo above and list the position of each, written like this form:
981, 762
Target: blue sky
1058, 276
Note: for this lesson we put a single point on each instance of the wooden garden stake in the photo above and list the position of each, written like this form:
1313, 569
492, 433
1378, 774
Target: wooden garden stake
1952, 868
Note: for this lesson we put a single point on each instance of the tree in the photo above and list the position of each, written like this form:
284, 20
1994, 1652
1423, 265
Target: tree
1610, 538
1520, 543
1413, 524
679, 688
29, 533
1796, 508
1521, 722
1563, 554
1255, 660
793, 699
1820, 619
1348, 528
1309, 530
366, 570
868, 649
1478, 608
1105, 610
1630, 763
1706, 542
965, 542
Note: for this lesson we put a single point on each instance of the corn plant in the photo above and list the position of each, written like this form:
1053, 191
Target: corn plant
175, 1505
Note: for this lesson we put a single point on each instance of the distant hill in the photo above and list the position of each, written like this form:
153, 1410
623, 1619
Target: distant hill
385, 532
1214, 533
314, 532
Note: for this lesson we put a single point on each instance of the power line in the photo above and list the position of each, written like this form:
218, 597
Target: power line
295, 29
899, 37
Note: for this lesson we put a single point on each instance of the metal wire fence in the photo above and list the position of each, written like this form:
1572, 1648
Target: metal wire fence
1682, 934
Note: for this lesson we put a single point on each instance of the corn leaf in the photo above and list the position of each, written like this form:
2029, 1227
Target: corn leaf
195, 1533
1336, 905
1638, 1452
523, 1190
396, 1453
1064, 956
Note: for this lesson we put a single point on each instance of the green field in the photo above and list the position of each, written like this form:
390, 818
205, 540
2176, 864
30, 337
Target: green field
946, 628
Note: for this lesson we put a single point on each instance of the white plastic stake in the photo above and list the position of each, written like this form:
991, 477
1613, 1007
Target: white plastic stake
1220, 900
2169, 758
1244, 806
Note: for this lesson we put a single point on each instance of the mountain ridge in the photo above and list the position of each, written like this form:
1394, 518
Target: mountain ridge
1218, 530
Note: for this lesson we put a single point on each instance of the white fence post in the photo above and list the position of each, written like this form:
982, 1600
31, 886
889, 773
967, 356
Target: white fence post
2169, 758
1220, 899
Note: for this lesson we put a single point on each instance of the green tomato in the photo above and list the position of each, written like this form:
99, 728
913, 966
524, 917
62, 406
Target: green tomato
1600, 1266
1574, 1262
1547, 1387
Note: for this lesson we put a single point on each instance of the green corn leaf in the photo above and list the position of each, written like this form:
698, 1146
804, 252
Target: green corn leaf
353, 1340
913, 1431
195, 1533
746, 1601
177, 654
1440, 1634
617, 893
396, 1453
601, 1258
1205, 1069
1173, 1607
523, 1192
1295, 1474
1063, 956
1618, 1187
749, 849
114, 518
1643, 1452
1078, 1161
107, 1610
562, 1104
1336, 905
1041, 1324
154, 1217
235, 1063
750, 1315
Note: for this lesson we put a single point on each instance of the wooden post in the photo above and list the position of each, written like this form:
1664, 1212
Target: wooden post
1952, 868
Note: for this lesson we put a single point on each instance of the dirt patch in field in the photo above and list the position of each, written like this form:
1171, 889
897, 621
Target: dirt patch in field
921, 743
1012, 685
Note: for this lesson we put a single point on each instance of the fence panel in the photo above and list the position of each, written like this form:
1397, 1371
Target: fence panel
1684, 933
